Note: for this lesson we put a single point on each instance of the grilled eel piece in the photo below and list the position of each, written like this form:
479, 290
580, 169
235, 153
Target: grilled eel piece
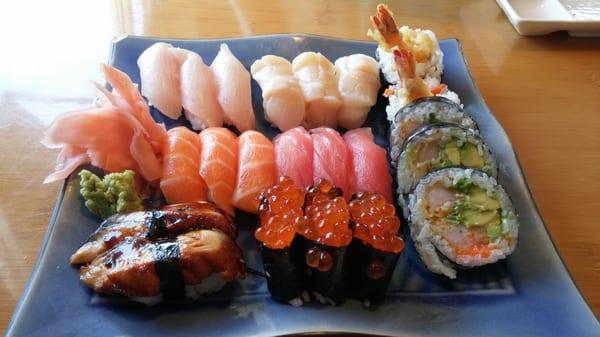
166, 222
193, 263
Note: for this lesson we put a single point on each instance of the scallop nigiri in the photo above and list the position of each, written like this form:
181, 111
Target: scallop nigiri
316, 75
283, 101
160, 76
369, 162
294, 156
358, 82
181, 181
233, 89
218, 165
199, 93
331, 159
255, 170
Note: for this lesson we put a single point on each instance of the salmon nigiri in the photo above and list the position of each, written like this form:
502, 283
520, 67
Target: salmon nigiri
233, 89
294, 156
331, 159
218, 165
181, 181
370, 165
255, 170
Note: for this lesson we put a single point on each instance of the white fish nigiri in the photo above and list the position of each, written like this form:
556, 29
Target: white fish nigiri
316, 76
159, 74
233, 90
283, 101
199, 93
358, 82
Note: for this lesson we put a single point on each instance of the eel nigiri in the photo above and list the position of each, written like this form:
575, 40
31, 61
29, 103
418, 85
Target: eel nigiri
316, 75
194, 263
168, 221
294, 156
199, 93
181, 180
358, 82
283, 101
255, 170
218, 165
233, 90
159, 74
332, 160
370, 165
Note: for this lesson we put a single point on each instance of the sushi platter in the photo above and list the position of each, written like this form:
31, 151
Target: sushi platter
388, 206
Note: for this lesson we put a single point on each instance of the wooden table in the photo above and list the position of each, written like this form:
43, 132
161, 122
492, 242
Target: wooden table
544, 90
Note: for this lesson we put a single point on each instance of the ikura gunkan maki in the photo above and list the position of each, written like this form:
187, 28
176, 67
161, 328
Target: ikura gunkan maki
326, 237
461, 218
375, 248
280, 213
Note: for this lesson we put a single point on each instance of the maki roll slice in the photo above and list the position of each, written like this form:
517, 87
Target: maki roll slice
425, 111
437, 146
326, 235
375, 248
280, 212
461, 218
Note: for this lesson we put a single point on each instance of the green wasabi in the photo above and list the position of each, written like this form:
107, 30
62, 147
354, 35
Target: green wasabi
116, 193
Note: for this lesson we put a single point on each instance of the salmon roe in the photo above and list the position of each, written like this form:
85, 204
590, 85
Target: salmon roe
328, 216
280, 213
375, 222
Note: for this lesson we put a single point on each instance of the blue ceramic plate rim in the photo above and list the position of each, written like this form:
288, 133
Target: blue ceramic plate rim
59, 203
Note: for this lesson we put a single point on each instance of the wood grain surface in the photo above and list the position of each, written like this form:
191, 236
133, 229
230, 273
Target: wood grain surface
544, 90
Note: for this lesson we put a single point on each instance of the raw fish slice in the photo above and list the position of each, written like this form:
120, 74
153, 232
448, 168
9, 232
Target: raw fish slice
316, 76
181, 181
233, 89
107, 135
358, 82
369, 161
199, 93
159, 74
256, 170
294, 156
218, 165
126, 96
331, 159
283, 101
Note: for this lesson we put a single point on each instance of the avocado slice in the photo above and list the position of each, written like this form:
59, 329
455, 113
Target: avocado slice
452, 153
493, 230
474, 217
469, 156
479, 197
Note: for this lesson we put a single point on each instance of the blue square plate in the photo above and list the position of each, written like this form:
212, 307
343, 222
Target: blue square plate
530, 294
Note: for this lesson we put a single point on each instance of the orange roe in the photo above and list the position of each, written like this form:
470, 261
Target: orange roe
375, 222
328, 216
280, 213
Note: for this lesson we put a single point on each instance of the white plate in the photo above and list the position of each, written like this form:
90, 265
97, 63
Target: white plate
579, 18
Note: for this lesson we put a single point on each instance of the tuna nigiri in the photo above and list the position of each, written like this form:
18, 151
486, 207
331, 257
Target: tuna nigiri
358, 82
316, 76
331, 159
159, 74
199, 93
181, 181
370, 165
283, 101
294, 156
256, 170
218, 165
233, 89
